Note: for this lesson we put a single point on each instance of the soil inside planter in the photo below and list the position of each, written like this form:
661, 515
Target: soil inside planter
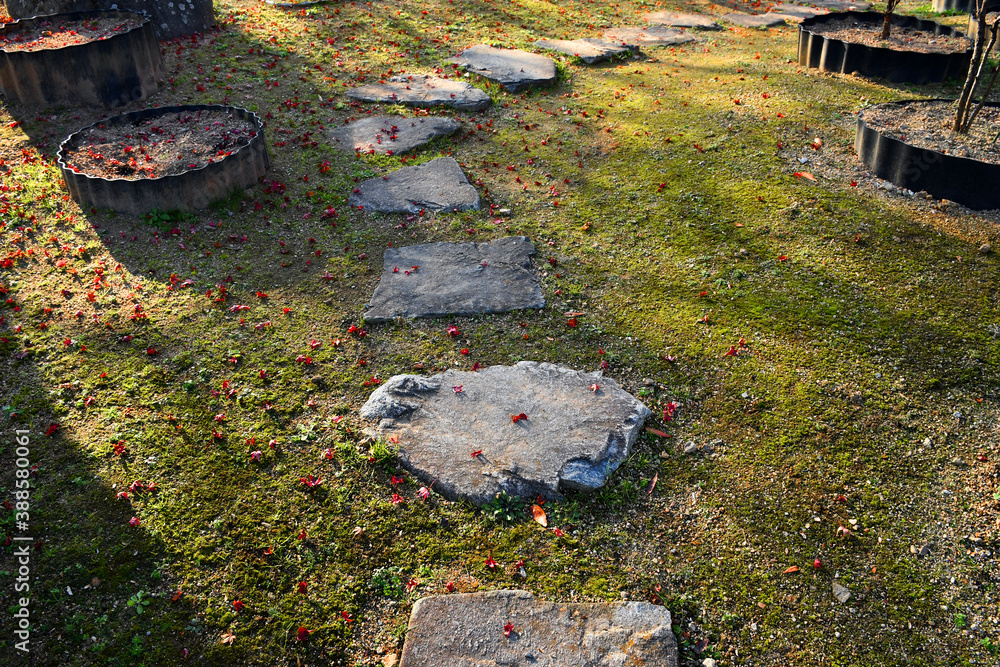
853, 31
928, 125
57, 34
157, 147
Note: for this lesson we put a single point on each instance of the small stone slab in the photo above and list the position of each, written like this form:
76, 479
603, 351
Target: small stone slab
652, 36
754, 20
842, 6
513, 69
456, 279
438, 185
588, 49
571, 437
467, 630
681, 20
388, 135
796, 13
423, 91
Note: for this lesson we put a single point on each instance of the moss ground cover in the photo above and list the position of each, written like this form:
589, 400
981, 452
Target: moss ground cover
831, 348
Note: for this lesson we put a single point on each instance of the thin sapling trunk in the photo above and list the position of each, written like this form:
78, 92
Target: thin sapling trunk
890, 6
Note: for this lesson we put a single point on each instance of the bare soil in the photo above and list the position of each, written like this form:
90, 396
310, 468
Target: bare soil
57, 34
928, 125
156, 147
853, 31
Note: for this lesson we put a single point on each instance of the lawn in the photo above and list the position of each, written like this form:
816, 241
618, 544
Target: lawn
831, 344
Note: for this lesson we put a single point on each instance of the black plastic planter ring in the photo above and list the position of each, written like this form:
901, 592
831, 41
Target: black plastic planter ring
834, 55
186, 191
107, 72
960, 179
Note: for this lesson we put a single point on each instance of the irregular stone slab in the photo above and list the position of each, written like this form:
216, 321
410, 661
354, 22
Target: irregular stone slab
588, 49
456, 279
681, 20
424, 91
513, 69
438, 185
651, 36
571, 438
796, 13
388, 135
754, 20
169, 19
841, 6
467, 630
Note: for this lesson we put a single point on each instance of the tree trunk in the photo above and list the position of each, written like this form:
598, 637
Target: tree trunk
975, 69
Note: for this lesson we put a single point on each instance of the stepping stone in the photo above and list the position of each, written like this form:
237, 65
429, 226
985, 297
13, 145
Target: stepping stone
841, 6
651, 36
423, 91
388, 135
513, 69
438, 185
796, 13
456, 279
754, 20
588, 50
569, 438
468, 630
680, 20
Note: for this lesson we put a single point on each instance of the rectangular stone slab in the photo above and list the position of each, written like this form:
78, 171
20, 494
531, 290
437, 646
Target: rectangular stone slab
424, 91
571, 436
587, 49
456, 279
656, 35
438, 185
467, 630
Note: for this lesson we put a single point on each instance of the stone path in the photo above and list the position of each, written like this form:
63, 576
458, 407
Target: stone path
511, 627
529, 429
651, 36
456, 279
754, 20
423, 91
438, 185
588, 50
388, 135
681, 20
514, 69
796, 13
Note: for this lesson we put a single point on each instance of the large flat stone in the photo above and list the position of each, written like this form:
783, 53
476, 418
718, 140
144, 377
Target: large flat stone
423, 91
513, 69
572, 438
438, 185
388, 135
456, 279
681, 20
652, 36
467, 630
754, 20
796, 13
588, 49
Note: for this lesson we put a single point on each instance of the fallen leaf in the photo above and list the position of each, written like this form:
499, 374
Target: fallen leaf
655, 432
228, 637
794, 568
806, 175
538, 514
652, 486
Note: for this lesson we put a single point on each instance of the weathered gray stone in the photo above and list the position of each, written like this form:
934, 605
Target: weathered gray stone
754, 20
438, 185
388, 135
842, 5
456, 279
796, 13
681, 20
513, 69
652, 36
572, 437
467, 630
424, 91
842, 593
588, 50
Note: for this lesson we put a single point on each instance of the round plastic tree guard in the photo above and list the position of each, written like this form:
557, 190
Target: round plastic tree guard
188, 190
170, 18
108, 72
